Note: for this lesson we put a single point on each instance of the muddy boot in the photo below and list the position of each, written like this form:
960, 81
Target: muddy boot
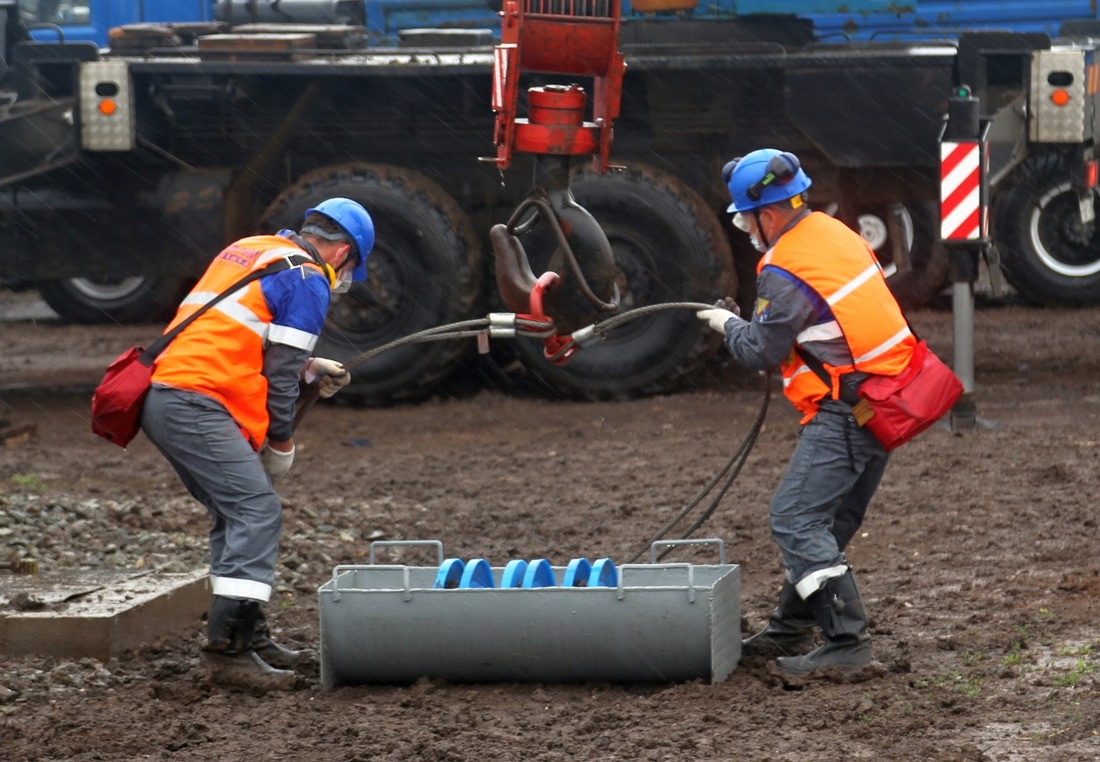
843, 621
789, 631
270, 651
228, 653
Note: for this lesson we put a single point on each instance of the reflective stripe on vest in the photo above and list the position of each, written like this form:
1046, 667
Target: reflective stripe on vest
836, 263
221, 354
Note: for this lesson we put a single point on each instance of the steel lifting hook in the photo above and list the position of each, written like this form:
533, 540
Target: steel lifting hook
576, 40
564, 294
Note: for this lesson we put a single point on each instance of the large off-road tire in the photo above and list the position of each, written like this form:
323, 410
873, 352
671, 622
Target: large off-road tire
422, 273
123, 300
1046, 253
668, 247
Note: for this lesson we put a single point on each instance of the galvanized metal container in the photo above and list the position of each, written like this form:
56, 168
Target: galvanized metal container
661, 622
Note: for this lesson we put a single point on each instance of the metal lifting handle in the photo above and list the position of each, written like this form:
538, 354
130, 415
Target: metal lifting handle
701, 541
371, 565
687, 567
406, 579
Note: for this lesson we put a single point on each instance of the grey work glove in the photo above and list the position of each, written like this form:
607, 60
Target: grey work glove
330, 375
718, 315
277, 463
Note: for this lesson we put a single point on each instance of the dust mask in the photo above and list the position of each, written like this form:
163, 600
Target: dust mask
343, 285
742, 224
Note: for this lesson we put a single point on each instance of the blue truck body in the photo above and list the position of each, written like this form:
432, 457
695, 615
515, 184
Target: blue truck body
90, 20
833, 20
939, 19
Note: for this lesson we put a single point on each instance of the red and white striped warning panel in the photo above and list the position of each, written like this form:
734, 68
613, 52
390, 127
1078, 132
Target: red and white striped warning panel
961, 213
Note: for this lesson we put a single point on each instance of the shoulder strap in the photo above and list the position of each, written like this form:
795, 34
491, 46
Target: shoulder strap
278, 265
847, 393
304, 245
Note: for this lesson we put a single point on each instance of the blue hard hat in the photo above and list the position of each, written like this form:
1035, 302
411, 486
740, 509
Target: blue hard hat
764, 177
356, 222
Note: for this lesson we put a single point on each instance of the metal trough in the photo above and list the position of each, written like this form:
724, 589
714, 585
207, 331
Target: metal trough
661, 622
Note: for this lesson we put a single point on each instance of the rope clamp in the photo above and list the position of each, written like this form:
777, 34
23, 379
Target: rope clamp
502, 325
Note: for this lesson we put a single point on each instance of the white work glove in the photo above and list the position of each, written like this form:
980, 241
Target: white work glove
718, 315
277, 463
330, 375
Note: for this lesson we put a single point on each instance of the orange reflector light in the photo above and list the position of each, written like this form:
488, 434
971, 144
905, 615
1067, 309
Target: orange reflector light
107, 107
1090, 174
1059, 97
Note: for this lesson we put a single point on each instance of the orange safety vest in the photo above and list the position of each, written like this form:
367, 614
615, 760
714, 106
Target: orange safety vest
221, 353
837, 263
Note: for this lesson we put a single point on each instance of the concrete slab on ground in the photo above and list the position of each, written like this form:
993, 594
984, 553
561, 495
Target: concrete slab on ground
96, 614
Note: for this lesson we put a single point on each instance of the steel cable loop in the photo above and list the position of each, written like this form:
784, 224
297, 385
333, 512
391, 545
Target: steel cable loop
539, 329
602, 328
732, 467
529, 327
544, 329
438, 333
461, 330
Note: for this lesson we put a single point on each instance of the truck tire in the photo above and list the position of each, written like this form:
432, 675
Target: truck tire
1045, 253
422, 273
125, 300
669, 247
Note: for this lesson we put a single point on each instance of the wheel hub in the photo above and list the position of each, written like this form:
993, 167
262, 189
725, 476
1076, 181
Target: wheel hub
873, 230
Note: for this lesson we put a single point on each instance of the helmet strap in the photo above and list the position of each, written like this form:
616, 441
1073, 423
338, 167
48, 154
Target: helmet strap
349, 258
760, 227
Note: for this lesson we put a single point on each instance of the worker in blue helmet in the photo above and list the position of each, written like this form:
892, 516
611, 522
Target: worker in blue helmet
763, 179
221, 410
355, 227
825, 316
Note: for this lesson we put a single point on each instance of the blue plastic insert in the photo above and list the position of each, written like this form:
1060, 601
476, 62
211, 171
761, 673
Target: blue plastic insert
539, 574
450, 574
513, 573
604, 574
478, 574
577, 573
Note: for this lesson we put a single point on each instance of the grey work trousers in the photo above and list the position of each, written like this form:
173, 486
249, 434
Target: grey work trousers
222, 471
821, 501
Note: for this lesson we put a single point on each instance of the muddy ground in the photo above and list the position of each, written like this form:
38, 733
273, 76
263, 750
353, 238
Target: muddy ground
978, 563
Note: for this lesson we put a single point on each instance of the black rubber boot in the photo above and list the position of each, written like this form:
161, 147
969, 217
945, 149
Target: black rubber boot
230, 628
789, 631
270, 651
840, 614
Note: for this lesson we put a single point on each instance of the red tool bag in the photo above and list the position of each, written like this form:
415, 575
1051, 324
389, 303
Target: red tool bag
897, 408
117, 401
